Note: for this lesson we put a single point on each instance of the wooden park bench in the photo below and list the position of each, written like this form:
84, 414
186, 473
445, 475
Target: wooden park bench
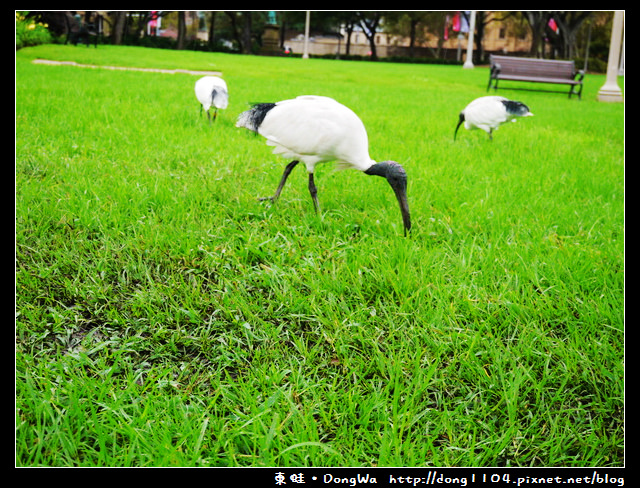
536, 70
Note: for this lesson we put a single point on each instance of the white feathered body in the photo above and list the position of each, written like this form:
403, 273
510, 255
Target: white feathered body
211, 91
488, 113
315, 129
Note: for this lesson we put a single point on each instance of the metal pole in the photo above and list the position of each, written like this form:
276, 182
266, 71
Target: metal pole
305, 53
468, 63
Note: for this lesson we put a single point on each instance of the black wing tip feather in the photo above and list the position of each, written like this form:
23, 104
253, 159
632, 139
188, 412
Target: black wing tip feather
515, 108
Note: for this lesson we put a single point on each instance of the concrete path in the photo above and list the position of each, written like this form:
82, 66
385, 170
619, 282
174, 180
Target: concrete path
170, 71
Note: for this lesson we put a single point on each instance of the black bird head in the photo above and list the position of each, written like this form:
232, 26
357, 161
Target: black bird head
397, 178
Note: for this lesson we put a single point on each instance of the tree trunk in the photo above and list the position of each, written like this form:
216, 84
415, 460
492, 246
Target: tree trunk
349, 30
118, 27
569, 23
212, 35
182, 30
246, 33
481, 22
538, 22
369, 26
412, 37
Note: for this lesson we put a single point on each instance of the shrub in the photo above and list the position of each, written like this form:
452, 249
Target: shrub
29, 32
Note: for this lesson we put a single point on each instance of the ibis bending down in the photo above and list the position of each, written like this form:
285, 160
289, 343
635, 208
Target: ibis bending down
488, 113
211, 91
315, 129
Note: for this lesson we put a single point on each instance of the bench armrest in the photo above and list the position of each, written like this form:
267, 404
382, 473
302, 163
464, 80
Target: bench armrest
493, 75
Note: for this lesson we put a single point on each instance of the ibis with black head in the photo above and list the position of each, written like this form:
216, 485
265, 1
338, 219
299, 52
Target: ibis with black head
211, 91
316, 129
490, 112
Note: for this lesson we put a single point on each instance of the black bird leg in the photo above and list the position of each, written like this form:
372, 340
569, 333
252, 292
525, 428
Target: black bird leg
208, 114
314, 193
283, 180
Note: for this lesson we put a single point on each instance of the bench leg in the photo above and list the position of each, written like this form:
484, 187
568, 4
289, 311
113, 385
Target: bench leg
573, 91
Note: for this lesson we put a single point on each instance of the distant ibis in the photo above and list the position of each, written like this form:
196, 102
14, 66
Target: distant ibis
211, 91
315, 129
489, 113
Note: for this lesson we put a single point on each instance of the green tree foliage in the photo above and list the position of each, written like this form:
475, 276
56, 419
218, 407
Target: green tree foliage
30, 32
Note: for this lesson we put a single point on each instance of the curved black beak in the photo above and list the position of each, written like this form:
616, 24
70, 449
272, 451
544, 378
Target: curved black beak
397, 179
460, 121
401, 195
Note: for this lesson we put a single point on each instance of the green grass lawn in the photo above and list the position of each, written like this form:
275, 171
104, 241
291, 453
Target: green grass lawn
166, 317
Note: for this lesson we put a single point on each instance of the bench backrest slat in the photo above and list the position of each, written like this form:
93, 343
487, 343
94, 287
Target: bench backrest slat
534, 67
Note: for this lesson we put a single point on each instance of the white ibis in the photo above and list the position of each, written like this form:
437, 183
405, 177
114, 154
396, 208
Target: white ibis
211, 91
315, 129
488, 113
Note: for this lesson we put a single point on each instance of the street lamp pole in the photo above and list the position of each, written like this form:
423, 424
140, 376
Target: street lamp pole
305, 53
468, 63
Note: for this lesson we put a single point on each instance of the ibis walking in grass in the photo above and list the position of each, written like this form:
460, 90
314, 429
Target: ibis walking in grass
315, 129
211, 91
489, 113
